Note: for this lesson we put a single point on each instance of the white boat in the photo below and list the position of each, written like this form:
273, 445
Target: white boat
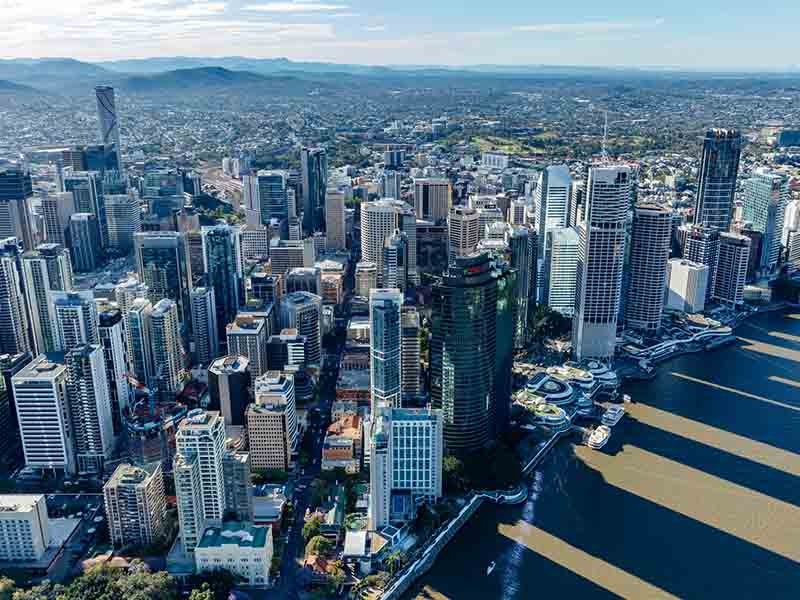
599, 437
490, 568
612, 415
626, 398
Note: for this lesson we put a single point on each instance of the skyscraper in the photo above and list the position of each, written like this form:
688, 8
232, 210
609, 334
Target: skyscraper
135, 504
405, 464
265, 194
379, 220
716, 183
385, 348
314, 175
89, 407
85, 247
223, 266
247, 336
303, 311
40, 394
561, 268
411, 348
204, 325
729, 280
107, 120
766, 198
462, 231
272, 422
56, 211
15, 335
165, 341
702, 246
162, 265
15, 219
522, 242
551, 205
686, 286
112, 339
123, 217
87, 188
76, 319
334, 219
45, 269
650, 243
433, 198
366, 278
600, 262
228, 386
473, 316
137, 328
199, 483
390, 184
395, 261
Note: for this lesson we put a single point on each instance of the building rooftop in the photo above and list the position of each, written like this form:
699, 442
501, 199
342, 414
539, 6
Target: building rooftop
229, 364
243, 535
19, 502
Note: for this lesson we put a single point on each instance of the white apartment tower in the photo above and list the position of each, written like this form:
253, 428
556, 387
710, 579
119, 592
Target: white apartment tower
686, 286
303, 311
167, 351
600, 262
135, 504
463, 231
272, 422
204, 325
379, 220
45, 269
76, 319
247, 336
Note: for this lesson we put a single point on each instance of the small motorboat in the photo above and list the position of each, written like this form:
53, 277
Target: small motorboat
490, 568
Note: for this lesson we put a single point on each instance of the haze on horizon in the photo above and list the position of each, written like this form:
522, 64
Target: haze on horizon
682, 34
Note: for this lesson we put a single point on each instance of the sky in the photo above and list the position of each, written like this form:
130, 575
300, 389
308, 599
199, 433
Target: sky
734, 34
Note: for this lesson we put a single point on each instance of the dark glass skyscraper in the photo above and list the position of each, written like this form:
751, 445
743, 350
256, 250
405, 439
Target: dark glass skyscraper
314, 173
474, 312
162, 264
15, 189
716, 182
223, 271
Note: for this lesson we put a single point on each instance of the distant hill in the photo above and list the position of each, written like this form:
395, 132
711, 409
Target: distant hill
216, 79
11, 88
59, 75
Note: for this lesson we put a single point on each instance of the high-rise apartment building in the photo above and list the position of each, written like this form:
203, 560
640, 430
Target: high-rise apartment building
272, 422
238, 485
379, 220
40, 395
15, 217
766, 198
395, 261
729, 280
89, 407
56, 210
433, 198
204, 325
112, 339
471, 350
247, 336
135, 505
15, 334
462, 231
108, 121
716, 183
366, 278
385, 348
24, 528
45, 269
167, 350
551, 204
137, 329
162, 265
76, 319
302, 311
686, 285
649, 253
601, 257
314, 176
254, 240
702, 246
405, 464
201, 438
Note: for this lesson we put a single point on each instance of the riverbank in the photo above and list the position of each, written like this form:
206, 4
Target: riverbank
695, 495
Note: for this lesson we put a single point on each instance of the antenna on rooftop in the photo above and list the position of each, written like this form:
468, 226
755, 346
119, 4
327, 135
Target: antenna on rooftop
603, 153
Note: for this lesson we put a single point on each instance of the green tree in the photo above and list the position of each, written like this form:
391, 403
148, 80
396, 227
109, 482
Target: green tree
47, 590
202, 593
7, 588
318, 545
219, 581
453, 470
144, 585
311, 528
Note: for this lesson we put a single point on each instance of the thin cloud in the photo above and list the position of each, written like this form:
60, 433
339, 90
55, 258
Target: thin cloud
589, 26
294, 7
375, 28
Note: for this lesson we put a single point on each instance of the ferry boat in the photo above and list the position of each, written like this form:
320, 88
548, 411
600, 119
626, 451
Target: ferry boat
599, 437
612, 415
490, 568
